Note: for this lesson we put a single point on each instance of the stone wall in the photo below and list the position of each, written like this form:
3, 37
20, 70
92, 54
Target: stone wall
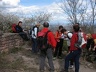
10, 40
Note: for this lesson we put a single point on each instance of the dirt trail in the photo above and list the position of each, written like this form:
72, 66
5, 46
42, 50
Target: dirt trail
33, 62
26, 61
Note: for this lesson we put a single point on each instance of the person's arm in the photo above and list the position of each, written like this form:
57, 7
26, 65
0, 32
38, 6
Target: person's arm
94, 48
17, 29
52, 40
57, 36
91, 45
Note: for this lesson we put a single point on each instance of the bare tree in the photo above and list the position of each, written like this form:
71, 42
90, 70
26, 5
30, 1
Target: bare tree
93, 14
37, 18
73, 8
42, 16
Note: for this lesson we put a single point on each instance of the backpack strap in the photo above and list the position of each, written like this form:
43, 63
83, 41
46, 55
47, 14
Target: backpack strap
47, 33
79, 37
34, 30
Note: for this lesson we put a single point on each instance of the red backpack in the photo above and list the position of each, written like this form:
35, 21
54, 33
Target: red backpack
14, 28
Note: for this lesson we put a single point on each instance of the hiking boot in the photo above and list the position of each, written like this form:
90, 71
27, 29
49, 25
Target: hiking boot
60, 57
71, 66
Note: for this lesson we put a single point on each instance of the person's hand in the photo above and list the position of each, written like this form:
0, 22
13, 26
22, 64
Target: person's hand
94, 48
89, 49
53, 49
68, 52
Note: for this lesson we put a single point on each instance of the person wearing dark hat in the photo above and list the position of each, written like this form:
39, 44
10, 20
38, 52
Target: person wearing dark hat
48, 54
19, 30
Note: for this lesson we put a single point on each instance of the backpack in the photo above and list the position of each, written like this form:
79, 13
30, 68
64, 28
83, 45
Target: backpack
68, 36
42, 40
14, 28
32, 30
81, 42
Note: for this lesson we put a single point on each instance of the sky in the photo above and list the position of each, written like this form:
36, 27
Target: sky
36, 2
30, 7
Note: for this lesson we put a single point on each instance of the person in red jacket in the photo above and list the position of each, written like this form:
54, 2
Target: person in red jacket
52, 42
59, 36
74, 53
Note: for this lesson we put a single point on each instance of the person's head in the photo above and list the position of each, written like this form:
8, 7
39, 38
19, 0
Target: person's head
60, 27
64, 31
77, 24
76, 27
46, 24
88, 36
38, 25
20, 23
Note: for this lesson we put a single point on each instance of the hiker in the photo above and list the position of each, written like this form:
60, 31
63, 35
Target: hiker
48, 52
59, 38
94, 49
21, 31
68, 37
90, 47
94, 37
74, 52
90, 42
34, 33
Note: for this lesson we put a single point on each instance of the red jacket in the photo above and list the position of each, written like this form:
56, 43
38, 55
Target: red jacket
73, 41
94, 36
57, 36
51, 38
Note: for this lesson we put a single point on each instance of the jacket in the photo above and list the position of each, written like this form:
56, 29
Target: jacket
34, 32
73, 41
19, 29
51, 38
57, 36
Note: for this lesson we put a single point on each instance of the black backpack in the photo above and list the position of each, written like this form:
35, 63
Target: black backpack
43, 41
32, 29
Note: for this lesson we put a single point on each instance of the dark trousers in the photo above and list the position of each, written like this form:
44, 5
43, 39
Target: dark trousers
58, 50
71, 60
75, 55
34, 45
43, 55
24, 36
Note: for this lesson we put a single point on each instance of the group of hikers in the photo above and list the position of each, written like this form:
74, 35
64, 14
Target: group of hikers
50, 45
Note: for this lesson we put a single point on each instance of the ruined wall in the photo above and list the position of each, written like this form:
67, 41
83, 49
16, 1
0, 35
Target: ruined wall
10, 40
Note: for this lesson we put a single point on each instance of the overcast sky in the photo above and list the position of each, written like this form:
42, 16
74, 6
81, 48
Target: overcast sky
30, 7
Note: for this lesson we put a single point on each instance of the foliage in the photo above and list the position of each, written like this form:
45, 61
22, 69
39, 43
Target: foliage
6, 20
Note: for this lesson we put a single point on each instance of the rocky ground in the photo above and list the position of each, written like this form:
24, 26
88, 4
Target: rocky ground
23, 60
